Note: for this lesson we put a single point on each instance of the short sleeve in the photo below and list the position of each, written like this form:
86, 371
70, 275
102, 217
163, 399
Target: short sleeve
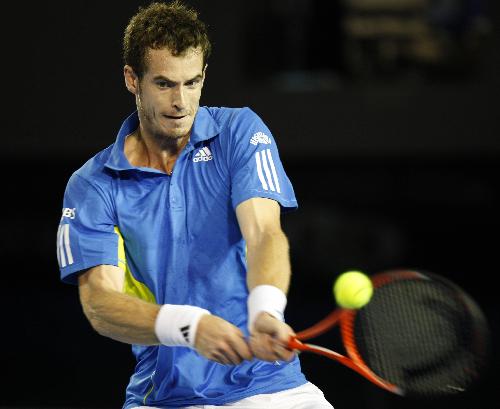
86, 234
256, 168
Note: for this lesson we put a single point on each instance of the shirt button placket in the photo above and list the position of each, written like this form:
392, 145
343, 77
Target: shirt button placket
176, 205
175, 199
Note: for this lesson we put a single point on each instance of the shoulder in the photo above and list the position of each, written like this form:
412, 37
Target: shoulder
238, 125
230, 118
94, 172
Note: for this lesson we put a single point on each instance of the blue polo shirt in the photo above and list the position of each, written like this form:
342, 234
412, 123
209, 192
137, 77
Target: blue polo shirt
178, 240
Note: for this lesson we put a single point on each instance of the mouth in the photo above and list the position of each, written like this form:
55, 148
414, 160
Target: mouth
175, 117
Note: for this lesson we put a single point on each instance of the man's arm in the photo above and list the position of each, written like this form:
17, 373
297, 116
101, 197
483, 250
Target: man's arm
268, 264
112, 313
267, 245
131, 320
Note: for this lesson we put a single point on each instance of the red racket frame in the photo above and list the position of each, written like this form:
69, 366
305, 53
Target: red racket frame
345, 318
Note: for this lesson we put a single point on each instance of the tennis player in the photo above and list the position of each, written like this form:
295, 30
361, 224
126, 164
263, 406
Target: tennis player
173, 235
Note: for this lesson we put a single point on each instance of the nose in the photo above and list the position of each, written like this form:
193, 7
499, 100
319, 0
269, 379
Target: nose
179, 98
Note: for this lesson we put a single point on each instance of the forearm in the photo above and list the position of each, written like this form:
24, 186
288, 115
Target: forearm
268, 261
120, 316
268, 282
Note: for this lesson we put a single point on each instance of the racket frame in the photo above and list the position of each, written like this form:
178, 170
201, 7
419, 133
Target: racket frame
345, 318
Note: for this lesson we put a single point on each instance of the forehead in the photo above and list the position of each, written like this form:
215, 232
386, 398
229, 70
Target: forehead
186, 65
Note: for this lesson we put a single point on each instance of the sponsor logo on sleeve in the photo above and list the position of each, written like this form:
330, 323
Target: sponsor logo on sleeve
68, 212
260, 137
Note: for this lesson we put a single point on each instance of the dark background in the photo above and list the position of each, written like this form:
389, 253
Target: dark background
387, 123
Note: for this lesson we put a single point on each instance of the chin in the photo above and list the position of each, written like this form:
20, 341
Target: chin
175, 133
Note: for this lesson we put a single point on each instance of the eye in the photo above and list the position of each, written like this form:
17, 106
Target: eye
193, 83
163, 84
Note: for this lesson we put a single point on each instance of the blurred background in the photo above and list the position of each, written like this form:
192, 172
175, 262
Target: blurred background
386, 116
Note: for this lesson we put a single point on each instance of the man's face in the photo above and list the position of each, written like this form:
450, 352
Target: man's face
168, 95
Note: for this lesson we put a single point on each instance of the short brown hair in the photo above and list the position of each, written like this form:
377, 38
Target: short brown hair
163, 25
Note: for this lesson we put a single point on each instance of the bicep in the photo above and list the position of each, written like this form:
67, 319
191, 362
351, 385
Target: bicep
98, 280
258, 216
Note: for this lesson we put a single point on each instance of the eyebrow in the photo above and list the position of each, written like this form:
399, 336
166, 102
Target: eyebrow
162, 77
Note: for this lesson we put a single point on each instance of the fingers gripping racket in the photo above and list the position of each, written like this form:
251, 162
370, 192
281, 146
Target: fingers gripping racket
420, 335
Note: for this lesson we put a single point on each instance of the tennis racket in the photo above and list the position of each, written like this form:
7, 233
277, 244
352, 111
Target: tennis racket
420, 336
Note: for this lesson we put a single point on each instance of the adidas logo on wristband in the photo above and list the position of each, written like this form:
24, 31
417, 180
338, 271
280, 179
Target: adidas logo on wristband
185, 333
176, 325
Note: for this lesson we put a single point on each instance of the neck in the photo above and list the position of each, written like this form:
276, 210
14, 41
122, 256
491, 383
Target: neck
151, 152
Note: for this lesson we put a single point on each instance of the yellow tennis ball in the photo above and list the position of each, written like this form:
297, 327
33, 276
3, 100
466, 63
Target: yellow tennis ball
353, 289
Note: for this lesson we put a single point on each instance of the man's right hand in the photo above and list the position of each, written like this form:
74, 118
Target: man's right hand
221, 341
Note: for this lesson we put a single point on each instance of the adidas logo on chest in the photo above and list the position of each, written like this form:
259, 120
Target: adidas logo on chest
203, 155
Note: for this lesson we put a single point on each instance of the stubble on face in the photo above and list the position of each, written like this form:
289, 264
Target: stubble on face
168, 96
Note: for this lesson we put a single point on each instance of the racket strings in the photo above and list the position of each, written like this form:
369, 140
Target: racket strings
420, 336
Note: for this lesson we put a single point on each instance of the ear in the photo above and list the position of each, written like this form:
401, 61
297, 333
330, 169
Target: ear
204, 73
131, 79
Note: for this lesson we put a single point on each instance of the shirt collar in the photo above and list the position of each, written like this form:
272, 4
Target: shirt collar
204, 128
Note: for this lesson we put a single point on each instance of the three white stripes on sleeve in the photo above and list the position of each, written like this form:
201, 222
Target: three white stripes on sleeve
266, 170
64, 255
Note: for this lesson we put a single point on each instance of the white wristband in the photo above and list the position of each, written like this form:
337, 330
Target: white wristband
176, 325
266, 298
